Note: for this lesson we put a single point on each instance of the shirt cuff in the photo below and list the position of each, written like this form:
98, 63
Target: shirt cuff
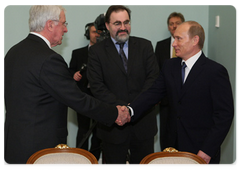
131, 111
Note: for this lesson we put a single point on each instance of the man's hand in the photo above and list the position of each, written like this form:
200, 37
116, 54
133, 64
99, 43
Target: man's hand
77, 76
205, 157
123, 115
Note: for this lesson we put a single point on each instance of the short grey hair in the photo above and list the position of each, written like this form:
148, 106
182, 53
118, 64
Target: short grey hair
40, 14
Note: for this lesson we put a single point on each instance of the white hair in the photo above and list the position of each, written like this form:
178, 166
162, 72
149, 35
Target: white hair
40, 14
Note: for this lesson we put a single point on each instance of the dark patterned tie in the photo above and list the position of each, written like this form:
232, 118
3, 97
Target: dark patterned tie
123, 56
183, 71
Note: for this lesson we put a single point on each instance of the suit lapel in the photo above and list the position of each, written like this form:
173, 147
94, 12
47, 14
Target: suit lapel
131, 53
113, 54
176, 73
193, 74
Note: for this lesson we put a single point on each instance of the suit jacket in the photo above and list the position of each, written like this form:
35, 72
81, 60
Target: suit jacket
201, 110
80, 57
162, 51
38, 89
110, 83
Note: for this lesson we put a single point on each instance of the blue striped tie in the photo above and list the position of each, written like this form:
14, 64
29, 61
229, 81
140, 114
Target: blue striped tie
183, 71
123, 56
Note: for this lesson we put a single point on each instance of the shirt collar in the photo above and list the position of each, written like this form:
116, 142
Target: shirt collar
42, 37
192, 60
172, 39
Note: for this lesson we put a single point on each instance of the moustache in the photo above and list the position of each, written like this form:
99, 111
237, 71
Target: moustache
119, 31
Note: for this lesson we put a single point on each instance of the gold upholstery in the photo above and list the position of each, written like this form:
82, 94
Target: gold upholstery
172, 156
62, 154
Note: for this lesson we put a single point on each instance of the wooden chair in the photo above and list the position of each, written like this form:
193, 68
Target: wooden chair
172, 156
62, 154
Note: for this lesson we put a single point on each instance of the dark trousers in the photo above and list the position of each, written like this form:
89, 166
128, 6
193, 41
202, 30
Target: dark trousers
83, 127
164, 114
138, 149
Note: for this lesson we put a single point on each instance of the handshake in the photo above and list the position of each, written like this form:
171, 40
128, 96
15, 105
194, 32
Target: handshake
123, 115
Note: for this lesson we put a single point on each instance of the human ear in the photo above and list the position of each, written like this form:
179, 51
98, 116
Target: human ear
195, 40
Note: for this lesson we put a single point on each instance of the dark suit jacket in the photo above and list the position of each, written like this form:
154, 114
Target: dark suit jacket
80, 57
162, 51
201, 110
110, 83
38, 89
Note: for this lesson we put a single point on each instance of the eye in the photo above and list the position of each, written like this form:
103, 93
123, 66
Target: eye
178, 38
126, 22
117, 23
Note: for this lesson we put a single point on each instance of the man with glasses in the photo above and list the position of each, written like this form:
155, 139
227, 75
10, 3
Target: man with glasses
39, 87
119, 68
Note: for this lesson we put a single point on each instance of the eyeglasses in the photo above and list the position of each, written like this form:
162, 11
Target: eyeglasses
118, 24
63, 23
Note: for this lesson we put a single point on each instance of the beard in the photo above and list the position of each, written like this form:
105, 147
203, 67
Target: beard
122, 38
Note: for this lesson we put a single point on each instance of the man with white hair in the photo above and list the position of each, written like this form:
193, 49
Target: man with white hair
39, 87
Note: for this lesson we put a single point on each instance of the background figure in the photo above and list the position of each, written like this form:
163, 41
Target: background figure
39, 88
199, 94
164, 51
119, 68
79, 62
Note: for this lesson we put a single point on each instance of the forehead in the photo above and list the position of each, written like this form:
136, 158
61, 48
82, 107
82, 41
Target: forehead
92, 28
119, 16
62, 16
175, 19
182, 30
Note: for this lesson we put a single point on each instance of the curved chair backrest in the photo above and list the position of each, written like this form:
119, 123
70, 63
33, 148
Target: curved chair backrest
172, 156
62, 154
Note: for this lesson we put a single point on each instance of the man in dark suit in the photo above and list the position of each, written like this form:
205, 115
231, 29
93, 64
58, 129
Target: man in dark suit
39, 87
164, 51
78, 68
199, 93
117, 81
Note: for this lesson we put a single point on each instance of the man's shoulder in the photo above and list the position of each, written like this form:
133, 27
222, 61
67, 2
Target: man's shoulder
213, 65
102, 44
167, 40
139, 39
80, 49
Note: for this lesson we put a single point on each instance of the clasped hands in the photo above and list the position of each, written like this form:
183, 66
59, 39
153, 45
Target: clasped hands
123, 115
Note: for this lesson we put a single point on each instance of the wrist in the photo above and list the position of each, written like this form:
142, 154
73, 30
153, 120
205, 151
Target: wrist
131, 112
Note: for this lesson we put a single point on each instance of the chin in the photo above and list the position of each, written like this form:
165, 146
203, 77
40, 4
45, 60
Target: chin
122, 38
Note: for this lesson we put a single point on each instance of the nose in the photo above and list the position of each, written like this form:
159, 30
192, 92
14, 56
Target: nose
65, 30
174, 44
122, 26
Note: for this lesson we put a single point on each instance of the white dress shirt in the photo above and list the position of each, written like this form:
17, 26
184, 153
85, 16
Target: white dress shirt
190, 62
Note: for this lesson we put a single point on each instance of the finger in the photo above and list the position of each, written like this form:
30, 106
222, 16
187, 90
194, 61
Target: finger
123, 108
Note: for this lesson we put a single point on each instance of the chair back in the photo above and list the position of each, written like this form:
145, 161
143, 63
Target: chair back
172, 156
62, 154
